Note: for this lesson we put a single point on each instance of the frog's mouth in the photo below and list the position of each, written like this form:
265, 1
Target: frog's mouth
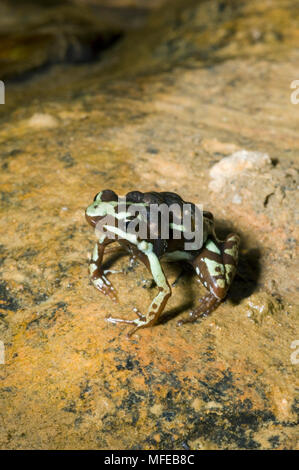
92, 220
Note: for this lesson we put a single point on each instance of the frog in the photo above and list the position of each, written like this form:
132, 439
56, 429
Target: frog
214, 261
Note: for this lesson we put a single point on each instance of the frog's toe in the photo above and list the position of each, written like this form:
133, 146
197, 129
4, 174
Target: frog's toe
208, 303
139, 314
111, 292
127, 322
112, 271
139, 322
119, 320
105, 286
190, 319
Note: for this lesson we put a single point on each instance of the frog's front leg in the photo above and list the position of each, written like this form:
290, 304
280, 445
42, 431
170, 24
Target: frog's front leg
97, 274
215, 267
151, 261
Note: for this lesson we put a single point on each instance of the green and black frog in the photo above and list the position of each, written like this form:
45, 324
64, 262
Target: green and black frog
214, 261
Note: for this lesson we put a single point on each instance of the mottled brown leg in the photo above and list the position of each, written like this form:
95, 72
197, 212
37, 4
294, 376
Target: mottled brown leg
97, 274
215, 267
208, 303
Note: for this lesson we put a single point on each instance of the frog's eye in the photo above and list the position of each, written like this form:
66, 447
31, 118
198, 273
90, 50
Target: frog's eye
108, 195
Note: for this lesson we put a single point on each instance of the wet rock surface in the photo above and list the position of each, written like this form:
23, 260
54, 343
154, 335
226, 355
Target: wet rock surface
161, 111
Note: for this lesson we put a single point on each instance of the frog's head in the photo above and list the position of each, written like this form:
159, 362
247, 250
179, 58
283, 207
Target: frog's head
104, 203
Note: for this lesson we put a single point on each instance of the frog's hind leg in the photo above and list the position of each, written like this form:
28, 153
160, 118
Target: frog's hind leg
215, 267
97, 275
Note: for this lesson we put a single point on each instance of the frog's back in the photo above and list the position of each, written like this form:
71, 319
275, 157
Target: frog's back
153, 197
161, 239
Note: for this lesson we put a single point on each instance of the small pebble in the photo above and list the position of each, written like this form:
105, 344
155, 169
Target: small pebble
235, 164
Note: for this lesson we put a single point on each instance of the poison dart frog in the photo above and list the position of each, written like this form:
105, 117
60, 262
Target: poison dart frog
214, 261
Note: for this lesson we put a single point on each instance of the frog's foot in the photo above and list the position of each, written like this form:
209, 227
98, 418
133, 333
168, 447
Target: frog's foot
112, 271
138, 322
208, 303
102, 283
97, 275
158, 304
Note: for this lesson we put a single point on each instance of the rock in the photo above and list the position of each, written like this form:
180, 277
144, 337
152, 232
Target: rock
34, 36
230, 167
42, 121
201, 81
260, 306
